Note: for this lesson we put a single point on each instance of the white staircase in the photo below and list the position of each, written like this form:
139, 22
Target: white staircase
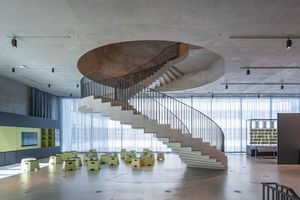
193, 151
131, 99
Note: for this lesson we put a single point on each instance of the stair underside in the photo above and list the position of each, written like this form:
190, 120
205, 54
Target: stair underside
192, 158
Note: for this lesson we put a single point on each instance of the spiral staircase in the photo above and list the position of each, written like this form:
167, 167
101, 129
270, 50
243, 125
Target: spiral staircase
132, 99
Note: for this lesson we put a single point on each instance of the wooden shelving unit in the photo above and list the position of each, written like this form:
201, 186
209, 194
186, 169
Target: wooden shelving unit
261, 136
48, 137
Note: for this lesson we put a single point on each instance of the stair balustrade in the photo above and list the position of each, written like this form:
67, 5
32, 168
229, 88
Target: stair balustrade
276, 191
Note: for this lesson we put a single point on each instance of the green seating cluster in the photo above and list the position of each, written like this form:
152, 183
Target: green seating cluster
93, 164
55, 160
69, 165
71, 160
30, 164
160, 156
129, 156
110, 159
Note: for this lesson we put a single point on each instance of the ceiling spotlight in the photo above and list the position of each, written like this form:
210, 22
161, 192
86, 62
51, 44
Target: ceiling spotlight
282, 86
77, 85
288, 43
226, 86
52, 70
14, 42
13, 70
49, 85
248, 71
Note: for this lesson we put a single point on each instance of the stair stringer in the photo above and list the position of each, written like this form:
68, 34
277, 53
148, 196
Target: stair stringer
193, 151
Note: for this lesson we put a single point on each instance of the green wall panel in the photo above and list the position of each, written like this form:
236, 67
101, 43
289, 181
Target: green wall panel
10, 138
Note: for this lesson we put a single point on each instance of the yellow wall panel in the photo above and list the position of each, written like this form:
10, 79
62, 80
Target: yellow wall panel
10, 138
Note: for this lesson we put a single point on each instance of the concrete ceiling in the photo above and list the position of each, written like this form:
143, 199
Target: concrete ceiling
94, 23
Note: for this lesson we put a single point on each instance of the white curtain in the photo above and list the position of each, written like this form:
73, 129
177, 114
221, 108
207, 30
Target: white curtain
85, 131
92, 131
231, 113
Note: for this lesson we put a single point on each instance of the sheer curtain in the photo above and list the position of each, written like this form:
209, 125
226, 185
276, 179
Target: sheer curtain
231, 113
85, 131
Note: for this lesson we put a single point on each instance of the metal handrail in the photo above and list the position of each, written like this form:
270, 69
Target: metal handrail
276, 191
121, 89
153, 59
130, 91
140, 73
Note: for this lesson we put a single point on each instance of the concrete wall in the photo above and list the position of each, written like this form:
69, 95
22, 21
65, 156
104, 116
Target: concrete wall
288, 138
14, 97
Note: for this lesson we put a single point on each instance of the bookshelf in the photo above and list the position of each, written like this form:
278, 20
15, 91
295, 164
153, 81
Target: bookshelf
48, 137
261, 136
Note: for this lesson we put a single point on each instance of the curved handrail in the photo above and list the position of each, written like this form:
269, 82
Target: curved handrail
152, 59
129, 93
140, 73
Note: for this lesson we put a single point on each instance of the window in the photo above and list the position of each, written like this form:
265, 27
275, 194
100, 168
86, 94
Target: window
29, 139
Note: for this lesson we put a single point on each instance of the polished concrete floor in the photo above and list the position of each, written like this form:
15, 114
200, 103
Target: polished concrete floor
166, 180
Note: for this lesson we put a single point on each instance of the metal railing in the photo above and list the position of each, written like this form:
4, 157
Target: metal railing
155, 105
276, 191
127, 92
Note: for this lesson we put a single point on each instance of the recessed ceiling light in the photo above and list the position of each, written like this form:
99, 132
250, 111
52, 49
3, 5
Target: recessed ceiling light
23, 66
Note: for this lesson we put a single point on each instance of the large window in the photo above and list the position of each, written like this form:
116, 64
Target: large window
28, 139
231, 114
85, 131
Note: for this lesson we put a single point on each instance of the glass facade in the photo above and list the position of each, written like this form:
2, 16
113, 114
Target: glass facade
83, 131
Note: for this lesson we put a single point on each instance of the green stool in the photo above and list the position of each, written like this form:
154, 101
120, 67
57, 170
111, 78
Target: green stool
66, 155
54, 160
78, 162
160, 156
148, 160
69, 165
104, 159
93, 151
93, 165
73, 154
144, 154
128, 157
86, 157
30, 165
113, 160
146, 150
123, 152
136, 163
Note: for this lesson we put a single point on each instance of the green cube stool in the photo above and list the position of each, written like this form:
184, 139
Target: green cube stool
86, 157
104, 159
148, 160
136, 163
93, 165
78, 162
144, 154
30, 165
66, 155
146, 150
113, 160
128, 157
93, 151
55, 160
123, 152
160, 156
69, 165
73, 154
